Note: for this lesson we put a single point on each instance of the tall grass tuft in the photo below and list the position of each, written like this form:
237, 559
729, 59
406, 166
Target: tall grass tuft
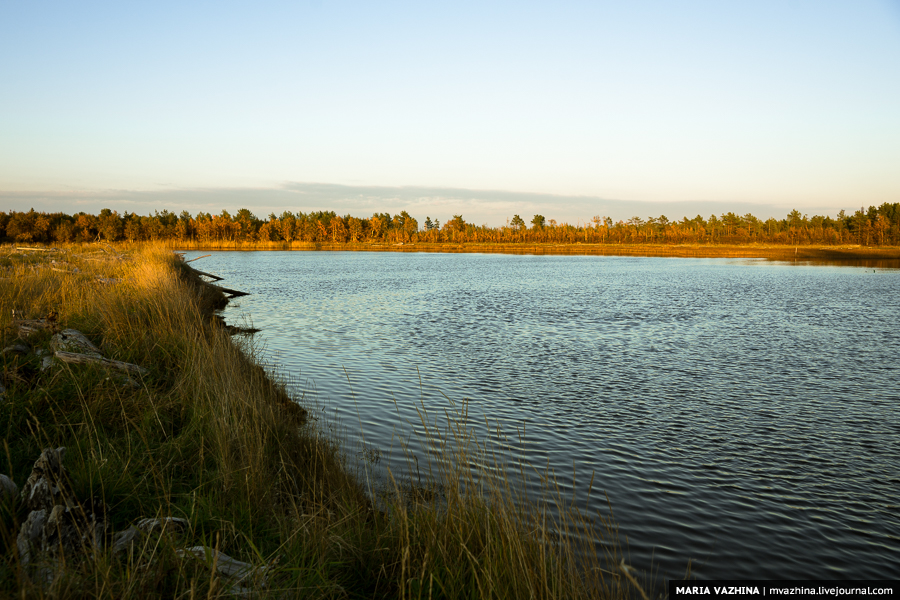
208, 436
468, 531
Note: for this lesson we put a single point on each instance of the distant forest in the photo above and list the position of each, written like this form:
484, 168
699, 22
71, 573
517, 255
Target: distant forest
873, 227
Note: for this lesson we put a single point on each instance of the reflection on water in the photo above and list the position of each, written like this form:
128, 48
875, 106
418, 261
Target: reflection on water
866, 263
741, 413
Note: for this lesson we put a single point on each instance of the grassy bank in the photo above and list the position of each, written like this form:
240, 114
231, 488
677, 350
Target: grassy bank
205, 435
774, 252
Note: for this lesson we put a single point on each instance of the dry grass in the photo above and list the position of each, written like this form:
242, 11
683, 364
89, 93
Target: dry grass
874, 256
208, 436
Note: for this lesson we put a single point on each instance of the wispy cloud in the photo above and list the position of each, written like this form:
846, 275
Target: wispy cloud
492, 207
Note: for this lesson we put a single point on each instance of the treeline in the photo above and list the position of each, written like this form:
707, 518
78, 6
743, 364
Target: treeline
873, 227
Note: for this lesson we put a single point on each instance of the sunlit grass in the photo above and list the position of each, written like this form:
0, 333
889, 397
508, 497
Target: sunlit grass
870, 256
208, 436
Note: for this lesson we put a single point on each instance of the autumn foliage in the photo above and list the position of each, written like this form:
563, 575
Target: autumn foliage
873, 227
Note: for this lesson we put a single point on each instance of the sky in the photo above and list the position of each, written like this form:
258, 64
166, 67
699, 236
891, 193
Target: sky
485, 109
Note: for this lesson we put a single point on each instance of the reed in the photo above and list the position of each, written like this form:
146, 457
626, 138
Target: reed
210, 437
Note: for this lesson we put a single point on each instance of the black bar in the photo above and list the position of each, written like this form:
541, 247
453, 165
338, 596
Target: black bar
821, 589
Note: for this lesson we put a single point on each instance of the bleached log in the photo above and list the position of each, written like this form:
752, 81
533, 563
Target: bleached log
171, 523
214, 277
226, 565
72, 340
84, 359
29, 326
198, 258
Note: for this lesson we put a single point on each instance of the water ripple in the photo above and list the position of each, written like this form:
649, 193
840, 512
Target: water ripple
740, 413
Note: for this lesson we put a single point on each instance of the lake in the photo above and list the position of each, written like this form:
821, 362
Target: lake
739, 413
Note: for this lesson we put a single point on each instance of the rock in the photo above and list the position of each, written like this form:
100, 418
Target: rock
8, 488
57, 524
70, 531
75, 530
72, 340
46, 484
30, 539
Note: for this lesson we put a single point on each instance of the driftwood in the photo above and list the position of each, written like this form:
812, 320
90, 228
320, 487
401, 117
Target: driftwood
233, 330
84, 359
29, 326
16, 349
110, 249
72, 340
214, 277
227, 566
29, 249
123, 540
225, 290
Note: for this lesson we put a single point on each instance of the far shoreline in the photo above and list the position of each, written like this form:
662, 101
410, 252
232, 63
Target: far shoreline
846, 252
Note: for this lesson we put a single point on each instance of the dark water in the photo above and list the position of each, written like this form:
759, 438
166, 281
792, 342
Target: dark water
740, 413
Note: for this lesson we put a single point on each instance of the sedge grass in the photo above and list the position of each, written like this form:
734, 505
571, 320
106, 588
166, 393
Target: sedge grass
210, 437
875, 256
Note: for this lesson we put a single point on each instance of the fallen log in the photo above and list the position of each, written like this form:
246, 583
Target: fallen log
214, 277
84, 359
226, 565
234, 330
198, 258
225, 290
29, 326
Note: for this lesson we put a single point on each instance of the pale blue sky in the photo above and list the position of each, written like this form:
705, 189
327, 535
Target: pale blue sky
577, 106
